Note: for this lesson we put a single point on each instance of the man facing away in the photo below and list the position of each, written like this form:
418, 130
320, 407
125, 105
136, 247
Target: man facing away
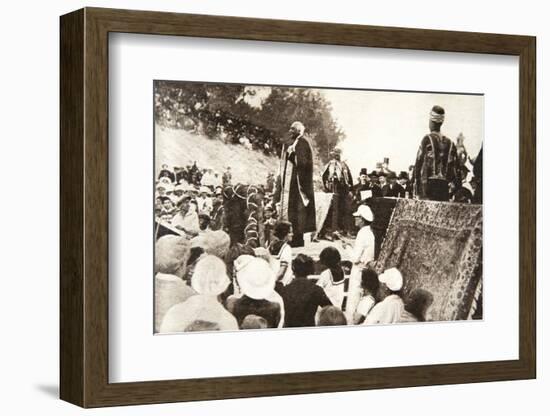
435, 167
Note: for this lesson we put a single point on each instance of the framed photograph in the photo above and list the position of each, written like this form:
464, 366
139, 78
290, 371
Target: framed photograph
256, 207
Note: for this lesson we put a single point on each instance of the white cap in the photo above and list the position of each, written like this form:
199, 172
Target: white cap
205, 190
392, 278
365, 212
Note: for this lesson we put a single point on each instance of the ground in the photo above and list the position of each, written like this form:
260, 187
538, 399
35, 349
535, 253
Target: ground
177, 147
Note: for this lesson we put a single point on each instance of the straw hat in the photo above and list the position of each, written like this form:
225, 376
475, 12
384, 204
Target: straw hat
210, 276
255, 277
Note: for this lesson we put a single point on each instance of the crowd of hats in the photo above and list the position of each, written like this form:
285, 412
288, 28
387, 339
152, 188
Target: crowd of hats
199, 301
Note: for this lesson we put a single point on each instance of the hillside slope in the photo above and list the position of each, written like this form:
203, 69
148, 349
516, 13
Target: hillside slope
177, 147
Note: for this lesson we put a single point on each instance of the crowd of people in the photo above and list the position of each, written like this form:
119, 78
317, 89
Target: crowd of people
204, 284
170, 111
190, 199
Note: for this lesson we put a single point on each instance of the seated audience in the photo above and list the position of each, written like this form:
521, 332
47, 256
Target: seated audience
282, 252
209, 281
369, 286
253, 322
333, 279
256, 283
416, 306
186, 219
388, 311
302, 297
331, 316
171, 254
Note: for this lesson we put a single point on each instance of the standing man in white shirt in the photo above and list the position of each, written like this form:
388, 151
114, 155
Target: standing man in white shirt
360, 255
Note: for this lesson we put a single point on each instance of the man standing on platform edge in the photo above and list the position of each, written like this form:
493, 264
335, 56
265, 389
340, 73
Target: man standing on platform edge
435, 167
294, 192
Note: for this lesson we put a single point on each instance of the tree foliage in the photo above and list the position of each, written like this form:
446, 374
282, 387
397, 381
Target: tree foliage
274, 113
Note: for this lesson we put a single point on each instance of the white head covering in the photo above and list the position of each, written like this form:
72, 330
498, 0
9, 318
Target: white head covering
365, 212
210, 276
392, 278
171, 253
255, 277
205, 190
213, 242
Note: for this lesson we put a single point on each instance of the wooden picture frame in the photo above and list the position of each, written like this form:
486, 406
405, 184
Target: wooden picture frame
84, 207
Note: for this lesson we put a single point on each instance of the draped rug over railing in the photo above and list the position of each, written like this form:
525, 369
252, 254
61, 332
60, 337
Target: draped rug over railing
438, 247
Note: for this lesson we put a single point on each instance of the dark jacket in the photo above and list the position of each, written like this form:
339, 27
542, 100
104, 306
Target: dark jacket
302, 297
397, 191
245, 306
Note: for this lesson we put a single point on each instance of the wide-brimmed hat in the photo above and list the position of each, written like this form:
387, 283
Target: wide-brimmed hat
391, 175
365, 212
213, 242
392, 278
171, 253
373, 174
210, 276
255, 277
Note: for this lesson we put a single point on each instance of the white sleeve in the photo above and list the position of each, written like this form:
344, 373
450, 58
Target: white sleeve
373, 317
323, 279
358, 247
286, 255
365, 305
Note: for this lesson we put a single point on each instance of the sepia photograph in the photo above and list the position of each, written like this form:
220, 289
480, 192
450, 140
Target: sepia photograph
300, 206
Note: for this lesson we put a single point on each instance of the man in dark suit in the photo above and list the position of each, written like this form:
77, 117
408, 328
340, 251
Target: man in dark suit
294, 193
375, 185
392, 188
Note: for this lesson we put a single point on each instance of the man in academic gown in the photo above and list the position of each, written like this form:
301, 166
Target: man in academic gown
294, 192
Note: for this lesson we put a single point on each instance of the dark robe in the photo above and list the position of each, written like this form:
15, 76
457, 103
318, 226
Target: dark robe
294, 184
478, 177
435, 167
337, 179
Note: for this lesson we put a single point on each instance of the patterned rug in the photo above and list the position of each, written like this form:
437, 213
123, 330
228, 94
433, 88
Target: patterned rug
438, 247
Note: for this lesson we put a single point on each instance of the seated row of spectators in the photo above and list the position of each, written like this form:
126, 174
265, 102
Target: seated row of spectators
203, 284
172, 111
